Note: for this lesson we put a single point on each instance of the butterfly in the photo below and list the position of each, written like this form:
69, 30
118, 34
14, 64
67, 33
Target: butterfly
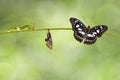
48, 40
86, 34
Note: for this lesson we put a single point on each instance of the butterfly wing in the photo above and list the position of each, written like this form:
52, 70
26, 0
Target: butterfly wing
93, 33
77, 24
79, 29
90, 39
98, 30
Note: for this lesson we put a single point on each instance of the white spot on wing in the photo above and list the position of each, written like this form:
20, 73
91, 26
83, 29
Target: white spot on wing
98, 31
77, 26
94, 33
101, 27
90, 35
76, 21
83, 33
79, 29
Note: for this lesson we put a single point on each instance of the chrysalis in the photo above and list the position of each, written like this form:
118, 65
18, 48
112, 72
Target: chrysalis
48, 40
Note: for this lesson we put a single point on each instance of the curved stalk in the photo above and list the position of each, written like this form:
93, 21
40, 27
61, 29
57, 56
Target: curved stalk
43, 29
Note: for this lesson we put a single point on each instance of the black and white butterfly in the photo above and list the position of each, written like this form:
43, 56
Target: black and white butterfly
86, 34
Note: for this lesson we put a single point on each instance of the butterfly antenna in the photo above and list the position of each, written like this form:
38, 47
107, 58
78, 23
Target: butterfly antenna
91, 20
85, 19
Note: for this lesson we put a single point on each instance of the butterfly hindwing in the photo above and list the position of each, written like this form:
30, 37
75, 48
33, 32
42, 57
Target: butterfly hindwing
78, 36
90, 39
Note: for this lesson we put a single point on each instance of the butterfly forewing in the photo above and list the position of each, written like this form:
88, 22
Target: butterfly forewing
77, 25
79, 29
98, 30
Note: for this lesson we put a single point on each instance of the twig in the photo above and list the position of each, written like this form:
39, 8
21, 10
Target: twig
42, 29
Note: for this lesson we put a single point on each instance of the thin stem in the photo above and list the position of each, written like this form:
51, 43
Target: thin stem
53, 29
42, 29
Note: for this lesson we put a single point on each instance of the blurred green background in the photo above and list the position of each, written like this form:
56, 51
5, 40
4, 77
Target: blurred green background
24, 56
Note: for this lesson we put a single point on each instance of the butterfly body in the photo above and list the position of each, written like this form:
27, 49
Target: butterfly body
86, 34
